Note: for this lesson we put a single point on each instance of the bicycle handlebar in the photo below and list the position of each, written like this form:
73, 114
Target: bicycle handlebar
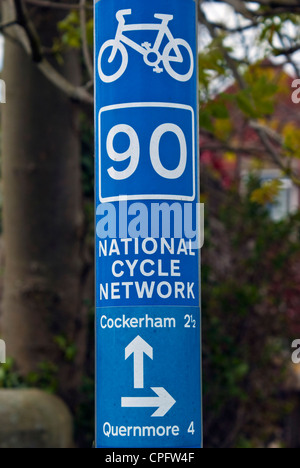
120, 15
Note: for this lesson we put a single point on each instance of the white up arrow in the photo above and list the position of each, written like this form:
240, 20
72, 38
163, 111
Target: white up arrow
138, 347
163, 401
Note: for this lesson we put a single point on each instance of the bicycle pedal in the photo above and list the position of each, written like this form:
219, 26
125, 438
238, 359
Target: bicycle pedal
158, 70
146, 45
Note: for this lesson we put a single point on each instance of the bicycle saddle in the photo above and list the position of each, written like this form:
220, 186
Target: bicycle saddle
164, 17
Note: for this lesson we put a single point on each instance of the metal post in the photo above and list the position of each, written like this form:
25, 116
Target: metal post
147, 245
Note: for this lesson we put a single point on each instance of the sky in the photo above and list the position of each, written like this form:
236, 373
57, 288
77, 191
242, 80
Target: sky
246, 43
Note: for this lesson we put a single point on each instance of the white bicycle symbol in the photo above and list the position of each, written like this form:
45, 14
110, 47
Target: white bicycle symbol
152, 56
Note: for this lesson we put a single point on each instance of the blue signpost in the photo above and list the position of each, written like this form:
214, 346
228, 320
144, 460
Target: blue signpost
147, 260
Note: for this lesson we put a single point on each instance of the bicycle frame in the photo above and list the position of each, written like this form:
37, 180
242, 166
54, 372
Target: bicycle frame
162, 28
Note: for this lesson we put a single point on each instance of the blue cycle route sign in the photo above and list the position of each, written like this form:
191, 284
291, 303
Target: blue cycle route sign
148, 384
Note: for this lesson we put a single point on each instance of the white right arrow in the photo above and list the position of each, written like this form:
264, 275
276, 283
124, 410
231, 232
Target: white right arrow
164, 402
138, 347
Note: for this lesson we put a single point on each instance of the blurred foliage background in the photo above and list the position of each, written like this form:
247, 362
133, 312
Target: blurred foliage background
250, 148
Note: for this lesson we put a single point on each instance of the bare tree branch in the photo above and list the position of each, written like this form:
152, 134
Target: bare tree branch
230, 61
271, 134
29, 40
278, 3
240, 29
270, 7
216, 146
75, 93
24, 21
289, 51
7, 25
289, 55
85, 47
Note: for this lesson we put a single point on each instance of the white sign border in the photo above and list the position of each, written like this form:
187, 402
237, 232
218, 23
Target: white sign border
149, 197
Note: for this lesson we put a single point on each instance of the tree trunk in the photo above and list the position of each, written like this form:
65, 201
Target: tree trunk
43, 320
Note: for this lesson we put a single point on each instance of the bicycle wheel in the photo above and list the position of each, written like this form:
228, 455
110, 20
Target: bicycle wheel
105, 77
170, 60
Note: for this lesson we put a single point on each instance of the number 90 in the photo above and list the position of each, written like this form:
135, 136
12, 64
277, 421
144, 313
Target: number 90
133, 151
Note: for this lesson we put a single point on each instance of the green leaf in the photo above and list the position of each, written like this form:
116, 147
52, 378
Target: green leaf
219, 110
244, 102
267, 193
206, 121
70, 27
